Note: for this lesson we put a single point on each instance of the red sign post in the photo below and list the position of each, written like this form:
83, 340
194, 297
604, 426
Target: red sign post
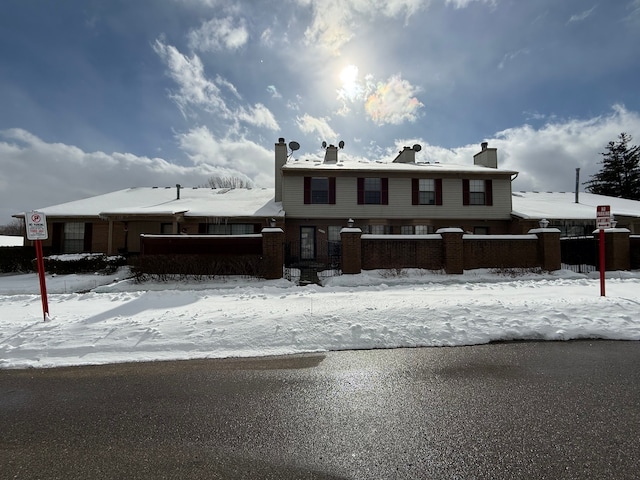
603, 220
37, 231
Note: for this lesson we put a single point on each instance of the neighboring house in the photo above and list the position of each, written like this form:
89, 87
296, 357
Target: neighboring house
574, 215
113, 222
399, 197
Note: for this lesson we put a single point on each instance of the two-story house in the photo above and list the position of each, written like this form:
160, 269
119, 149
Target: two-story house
402, 197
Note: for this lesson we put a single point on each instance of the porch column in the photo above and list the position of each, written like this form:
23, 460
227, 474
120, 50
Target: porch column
452, 249
272, 252
549, 251
351, 261
617, 252
110, 238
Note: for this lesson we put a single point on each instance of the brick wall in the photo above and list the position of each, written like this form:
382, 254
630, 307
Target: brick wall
453, 251
521, 251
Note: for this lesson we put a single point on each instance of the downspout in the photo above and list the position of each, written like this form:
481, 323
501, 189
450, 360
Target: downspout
577, 184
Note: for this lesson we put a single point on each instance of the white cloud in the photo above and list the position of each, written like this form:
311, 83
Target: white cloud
219, 34
44, 174
260, 116
579, 17
509, 57
194, 89
273, 91
334, 21
197, 91
238, 155
320, 126
547, 157
465, 3
392, 102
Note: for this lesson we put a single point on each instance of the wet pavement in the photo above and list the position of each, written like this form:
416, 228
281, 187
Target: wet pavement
556, 410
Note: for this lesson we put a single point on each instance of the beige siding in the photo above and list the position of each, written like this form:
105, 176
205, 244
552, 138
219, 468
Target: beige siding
399, 201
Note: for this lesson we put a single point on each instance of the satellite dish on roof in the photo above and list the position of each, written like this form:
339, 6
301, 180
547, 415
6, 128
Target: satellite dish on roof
294, 146
341, 144
324, 144
417, 148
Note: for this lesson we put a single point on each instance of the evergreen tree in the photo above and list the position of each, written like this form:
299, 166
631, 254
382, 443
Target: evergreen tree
620, 173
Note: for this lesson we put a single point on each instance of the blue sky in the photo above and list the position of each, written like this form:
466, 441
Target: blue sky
97, 96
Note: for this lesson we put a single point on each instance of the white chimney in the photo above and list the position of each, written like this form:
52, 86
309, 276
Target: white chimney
407, 155
487, 157
331, 154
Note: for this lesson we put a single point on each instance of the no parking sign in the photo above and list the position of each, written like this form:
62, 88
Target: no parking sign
36, 226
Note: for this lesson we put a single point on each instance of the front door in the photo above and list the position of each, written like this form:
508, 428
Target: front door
307, 243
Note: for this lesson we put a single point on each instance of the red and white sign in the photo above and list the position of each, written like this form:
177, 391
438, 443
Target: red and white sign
603, 217
36, 226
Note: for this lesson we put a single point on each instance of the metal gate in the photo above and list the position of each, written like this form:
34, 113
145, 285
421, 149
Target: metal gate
579, 254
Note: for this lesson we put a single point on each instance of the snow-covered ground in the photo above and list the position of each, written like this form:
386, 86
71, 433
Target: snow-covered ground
106, 319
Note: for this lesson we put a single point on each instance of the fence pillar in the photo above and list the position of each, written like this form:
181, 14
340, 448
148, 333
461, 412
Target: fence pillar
452, 249
351, 261
272, 252
549, 251
617, 252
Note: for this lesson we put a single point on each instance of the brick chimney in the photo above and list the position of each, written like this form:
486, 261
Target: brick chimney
281, 159
487, 157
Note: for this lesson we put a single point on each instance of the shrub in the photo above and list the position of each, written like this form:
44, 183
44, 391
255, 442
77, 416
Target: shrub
197, 267
82, 263
17, 259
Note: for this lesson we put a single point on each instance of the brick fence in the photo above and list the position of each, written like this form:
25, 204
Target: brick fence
449, 249
453, 251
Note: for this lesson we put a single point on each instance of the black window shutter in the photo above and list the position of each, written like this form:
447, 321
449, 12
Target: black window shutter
415, 191
360, 191
332, 190
88, 237
307, 190
385, 191
438, 183
488, 191
465, 192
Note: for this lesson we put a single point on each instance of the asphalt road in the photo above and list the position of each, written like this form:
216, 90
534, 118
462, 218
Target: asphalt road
554, 410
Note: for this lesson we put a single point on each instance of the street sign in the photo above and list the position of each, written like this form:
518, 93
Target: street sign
603, 217
36, 226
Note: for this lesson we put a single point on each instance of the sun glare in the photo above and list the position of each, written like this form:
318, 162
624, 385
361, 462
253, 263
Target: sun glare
349, 78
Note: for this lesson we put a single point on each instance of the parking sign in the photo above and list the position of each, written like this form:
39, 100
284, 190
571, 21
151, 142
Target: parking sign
36, 226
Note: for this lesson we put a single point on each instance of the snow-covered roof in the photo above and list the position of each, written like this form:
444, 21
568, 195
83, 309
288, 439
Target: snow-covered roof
562, 205
155, 201
434, 168
11, 241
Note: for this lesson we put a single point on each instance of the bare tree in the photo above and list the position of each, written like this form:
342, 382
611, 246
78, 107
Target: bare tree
228, 181
16, 227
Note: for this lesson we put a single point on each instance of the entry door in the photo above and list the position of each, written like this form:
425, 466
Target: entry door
307, 243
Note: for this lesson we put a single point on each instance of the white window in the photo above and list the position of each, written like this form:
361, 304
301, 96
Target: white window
477, 192
372, 191
423, 229
319, 190
73, 237
230, 228
426, 191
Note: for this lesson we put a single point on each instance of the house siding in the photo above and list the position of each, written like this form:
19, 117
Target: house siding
400, 201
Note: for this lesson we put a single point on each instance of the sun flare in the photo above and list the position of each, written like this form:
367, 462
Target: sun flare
349, 79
